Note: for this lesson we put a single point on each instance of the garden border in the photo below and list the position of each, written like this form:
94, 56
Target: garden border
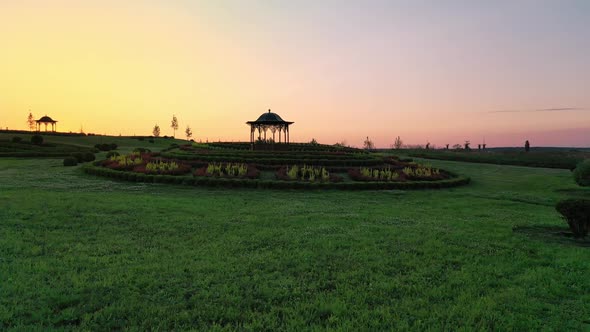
94, 169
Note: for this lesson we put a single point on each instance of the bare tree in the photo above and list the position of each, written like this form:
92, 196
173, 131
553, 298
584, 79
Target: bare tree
527, 146
31, 122
174, 124
398, 143
368, 144
156, 131
189, 133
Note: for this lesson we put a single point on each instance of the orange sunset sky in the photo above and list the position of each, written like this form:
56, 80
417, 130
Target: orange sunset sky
428, 71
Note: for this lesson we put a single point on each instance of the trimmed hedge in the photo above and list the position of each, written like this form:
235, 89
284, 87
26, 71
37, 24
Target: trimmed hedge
276, 161
96, 169
582, 173
70, 161
37, 139
576, 213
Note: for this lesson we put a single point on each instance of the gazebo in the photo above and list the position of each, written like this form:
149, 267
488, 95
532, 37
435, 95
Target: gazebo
45, 120
269, 121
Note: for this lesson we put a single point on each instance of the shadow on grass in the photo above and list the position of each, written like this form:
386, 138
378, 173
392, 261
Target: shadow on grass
554, 234
581, 193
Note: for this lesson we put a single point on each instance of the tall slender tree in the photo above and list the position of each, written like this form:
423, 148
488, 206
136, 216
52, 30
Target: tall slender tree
31, 122
189, 133
398, 143
527, 146
174, 124
156, 131
368, 144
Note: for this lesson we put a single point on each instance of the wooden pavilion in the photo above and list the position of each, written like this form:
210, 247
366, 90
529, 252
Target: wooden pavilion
46, 120
274, 123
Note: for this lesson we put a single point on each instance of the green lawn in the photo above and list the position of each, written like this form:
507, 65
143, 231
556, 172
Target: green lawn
81, 252
126, 144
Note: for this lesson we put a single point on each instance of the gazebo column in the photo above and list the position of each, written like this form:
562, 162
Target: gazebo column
273, 129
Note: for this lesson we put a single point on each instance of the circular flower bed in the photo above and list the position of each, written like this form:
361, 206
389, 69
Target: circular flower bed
256, 169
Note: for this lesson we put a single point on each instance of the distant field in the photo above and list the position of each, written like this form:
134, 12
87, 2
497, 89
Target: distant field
79, 252
126, 144
564, 158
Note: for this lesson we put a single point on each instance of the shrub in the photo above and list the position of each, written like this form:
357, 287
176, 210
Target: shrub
37, 139
112, 154
577, 214
142, 150
79, 157
17, 139
582, 173
70, 161
88, 156
106, 147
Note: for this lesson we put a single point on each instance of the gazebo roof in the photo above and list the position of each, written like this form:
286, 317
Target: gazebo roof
46, 119
269, 118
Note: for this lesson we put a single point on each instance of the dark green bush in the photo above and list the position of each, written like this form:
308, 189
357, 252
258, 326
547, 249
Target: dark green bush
70, 161
577, 214
37, 139
105, 146
17, 139
582, 173
112, 154
79, 156
88, 156
142, 150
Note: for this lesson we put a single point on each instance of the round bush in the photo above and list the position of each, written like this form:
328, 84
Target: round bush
37, 139
142, 150
70, 161
577, 214
79, 156
88, 156
582, 173
17, 139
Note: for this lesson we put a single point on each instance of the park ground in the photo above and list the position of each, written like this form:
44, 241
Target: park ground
79, 252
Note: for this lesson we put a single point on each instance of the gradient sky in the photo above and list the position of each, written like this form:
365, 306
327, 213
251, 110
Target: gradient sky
437, 71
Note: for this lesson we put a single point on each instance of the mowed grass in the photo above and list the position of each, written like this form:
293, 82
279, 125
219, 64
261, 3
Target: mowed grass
126, 144
81, 252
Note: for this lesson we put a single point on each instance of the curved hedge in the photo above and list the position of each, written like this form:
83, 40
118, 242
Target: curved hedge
274, 161
94, 169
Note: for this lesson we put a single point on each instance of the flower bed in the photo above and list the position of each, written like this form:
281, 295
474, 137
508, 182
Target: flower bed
228, 170
306, 173
98, 170
145, 164
410, 172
